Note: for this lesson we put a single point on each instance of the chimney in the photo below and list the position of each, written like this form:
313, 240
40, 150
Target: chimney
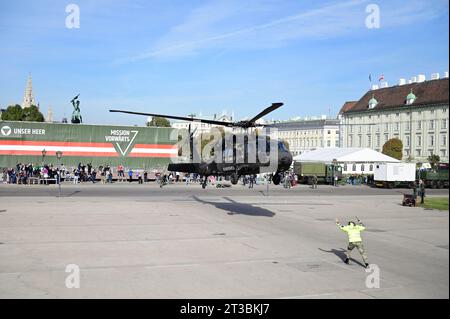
374, 86
435, 76
402, 81
384, 84
446, 75
421, 78
414, 79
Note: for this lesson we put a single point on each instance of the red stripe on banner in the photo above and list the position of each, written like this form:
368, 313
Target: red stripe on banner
53, 153
163, 146
81, 144
151, 155
52, 143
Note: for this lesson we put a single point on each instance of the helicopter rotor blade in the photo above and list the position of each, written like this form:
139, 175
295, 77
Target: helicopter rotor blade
268, 110
183, 118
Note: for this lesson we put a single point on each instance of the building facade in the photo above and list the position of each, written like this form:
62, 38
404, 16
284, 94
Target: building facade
416, 113
308, 134
201, 128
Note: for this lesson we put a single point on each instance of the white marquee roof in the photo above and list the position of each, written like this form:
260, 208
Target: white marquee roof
342, 155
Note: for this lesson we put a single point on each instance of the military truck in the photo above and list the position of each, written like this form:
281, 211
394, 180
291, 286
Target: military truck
324, 172
435, 178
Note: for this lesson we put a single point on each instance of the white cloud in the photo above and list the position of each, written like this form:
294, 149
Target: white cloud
213, 26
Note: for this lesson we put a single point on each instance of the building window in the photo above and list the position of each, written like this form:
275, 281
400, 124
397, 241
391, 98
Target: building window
336, 143
406, 153
386, 137
386, 126
328, 143
329, 132
378, 140
369, 140
419, 125
431, 125
419, 140
443, 140
359, 140
350, 140
443, 153
418, 153
371, 168
397, 126
431, 140
362, 167
408, 140
444, 124
407, 126
430, 152
345, 167
359, 129
354, 167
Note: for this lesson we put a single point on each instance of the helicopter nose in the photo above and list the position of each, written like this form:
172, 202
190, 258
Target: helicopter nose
286, 160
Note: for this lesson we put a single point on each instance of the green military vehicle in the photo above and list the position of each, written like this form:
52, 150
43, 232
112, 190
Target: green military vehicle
435, 178
324, 172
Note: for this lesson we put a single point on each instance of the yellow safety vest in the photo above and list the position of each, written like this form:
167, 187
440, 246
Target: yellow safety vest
353, 232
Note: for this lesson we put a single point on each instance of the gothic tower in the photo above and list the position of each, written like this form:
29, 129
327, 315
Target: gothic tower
28, 98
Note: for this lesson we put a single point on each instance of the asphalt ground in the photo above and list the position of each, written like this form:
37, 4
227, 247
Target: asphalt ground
141, 241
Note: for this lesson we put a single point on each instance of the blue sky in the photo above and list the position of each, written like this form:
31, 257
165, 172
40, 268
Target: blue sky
183, 57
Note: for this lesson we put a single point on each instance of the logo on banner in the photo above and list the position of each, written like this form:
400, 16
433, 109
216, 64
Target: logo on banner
122, 140
6, 130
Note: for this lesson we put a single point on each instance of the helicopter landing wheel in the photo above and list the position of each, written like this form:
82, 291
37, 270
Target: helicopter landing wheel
234, 178
276, 179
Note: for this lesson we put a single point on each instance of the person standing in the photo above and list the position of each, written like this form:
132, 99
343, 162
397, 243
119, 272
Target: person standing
252, 181
314, 182
421, 191
130, 175
188, 178
354, 239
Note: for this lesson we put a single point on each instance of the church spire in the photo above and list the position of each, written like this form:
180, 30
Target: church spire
28, 98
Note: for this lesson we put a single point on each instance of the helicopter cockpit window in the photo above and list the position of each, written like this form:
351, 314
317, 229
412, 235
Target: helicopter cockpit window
281, 146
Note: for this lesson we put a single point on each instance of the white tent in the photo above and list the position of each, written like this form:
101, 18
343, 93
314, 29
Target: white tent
345, 155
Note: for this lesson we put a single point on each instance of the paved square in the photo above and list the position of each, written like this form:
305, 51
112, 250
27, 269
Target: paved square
183, 242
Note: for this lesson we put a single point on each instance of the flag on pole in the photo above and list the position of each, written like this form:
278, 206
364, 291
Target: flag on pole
381, 77
370, 77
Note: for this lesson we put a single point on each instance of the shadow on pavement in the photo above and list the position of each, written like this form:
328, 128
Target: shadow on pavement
341, 254
71, 194
232, 207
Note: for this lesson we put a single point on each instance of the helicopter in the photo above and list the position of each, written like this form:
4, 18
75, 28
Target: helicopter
231, 155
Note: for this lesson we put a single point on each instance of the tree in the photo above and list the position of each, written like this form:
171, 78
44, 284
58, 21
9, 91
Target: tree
17, 113
32, 114
393, 148
433, 160
159, 122
13, 113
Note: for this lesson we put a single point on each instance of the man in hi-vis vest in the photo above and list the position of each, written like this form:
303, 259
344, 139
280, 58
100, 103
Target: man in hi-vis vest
354, 239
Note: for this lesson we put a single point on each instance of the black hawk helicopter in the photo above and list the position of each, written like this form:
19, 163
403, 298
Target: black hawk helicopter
231, 156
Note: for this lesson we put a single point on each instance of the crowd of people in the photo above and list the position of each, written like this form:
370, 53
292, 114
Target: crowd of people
48, 173
82, 173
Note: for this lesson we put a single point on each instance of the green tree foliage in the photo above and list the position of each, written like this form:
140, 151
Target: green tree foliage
433, 160
159, 122
393, 148
32, 114
13, 113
